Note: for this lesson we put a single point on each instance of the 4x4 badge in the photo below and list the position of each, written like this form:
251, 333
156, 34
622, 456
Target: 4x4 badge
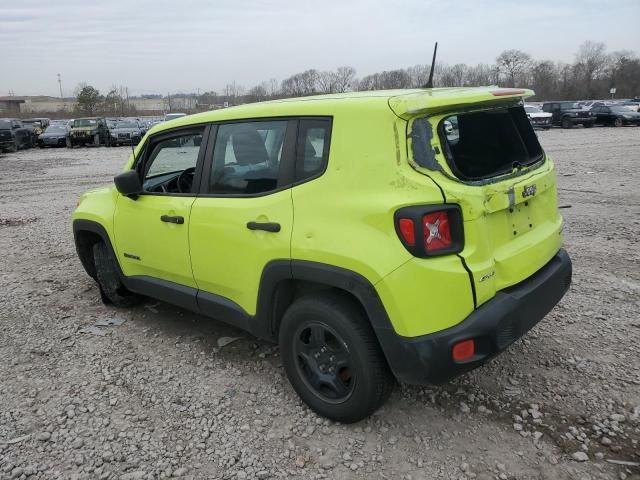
529, 191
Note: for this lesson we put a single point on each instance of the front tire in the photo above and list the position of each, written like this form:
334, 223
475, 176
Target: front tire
332, 358
112, 291
618, 122
588, 125
68, 143
567, 123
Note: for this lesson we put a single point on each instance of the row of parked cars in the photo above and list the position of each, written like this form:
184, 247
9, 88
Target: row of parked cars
587, 114
16, 134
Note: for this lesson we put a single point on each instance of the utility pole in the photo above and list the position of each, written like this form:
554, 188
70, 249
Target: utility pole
60, 85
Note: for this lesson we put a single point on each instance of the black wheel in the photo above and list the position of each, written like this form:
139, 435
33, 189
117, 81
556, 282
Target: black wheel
567, 123
588, 124
332, 358
68, 143
111, 288
14, 147
618, 122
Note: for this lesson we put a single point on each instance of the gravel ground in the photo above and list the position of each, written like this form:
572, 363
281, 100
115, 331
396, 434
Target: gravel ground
164, 394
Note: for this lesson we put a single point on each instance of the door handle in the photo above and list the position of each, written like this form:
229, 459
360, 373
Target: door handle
178, 220
267, 227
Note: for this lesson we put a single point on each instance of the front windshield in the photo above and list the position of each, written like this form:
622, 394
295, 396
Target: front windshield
4, 125
529, 109
85, 122
126, 125
56, 129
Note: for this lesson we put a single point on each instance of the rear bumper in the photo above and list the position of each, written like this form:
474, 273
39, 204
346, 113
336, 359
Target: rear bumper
494, 326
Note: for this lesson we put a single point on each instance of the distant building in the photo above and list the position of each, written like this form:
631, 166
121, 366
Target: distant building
10, 105
42, 104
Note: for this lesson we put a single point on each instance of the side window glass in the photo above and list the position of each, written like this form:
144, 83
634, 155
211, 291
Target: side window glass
246, 157
171, 164
312, 150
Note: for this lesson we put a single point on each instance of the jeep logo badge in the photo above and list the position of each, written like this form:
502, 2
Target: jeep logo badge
529, 191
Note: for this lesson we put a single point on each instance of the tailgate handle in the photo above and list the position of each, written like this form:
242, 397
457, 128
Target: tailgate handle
267, 227
178, 220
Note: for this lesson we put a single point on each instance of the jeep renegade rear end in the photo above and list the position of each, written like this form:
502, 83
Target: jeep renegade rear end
410, 234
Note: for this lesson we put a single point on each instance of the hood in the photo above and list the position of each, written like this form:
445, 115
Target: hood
539, 115
84, 129
125, 130
52, 134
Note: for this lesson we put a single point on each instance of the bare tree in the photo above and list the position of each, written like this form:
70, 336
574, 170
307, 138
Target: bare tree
304, 83
591, 60
419, 74
327, 82
513, 63
344, 77
256, 94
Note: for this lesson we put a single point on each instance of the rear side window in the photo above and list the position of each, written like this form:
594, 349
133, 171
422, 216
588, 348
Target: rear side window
481, 145
246, 157
312, 149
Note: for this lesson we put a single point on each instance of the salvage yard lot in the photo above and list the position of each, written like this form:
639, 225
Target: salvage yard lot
167, 393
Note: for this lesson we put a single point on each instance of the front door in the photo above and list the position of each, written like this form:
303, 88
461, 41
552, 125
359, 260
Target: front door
243, 217
152, 230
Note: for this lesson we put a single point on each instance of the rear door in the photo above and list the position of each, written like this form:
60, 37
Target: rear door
243, 217
497, 172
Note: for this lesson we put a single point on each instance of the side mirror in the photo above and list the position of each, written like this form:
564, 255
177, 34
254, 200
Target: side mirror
128, 183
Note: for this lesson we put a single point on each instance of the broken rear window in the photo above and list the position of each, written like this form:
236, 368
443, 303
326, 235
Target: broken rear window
485, 144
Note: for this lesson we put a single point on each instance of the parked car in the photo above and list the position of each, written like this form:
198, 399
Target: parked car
374, 279
173, 116
616, 115
568, 114
635, 106
126, 132
7, 137
15, 133
38, 125
538, 118
54, 136
88, 131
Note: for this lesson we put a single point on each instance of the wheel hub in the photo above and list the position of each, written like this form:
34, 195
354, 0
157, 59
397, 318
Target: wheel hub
324, 362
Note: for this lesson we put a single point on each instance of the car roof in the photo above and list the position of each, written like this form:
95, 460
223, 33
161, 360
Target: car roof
404, 102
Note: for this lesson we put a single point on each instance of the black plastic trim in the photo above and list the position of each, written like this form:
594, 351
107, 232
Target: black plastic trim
494, 326
416, 213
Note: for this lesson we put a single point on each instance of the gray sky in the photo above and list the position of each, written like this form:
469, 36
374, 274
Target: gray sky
156, 46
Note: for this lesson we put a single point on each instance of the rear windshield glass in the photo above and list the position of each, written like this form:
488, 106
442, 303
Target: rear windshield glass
481, 145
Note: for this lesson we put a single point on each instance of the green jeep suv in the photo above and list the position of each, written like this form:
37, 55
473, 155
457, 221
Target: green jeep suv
405, 234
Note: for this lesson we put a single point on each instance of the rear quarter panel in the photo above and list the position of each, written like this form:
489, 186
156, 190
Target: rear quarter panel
345, 218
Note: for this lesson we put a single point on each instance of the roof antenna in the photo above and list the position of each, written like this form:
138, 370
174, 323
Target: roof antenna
429, 83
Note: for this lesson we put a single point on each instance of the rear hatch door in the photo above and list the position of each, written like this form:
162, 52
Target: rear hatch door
485, 156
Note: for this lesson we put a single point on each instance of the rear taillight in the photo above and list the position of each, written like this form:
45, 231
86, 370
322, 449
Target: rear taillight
430, 230
436, 230
407, 231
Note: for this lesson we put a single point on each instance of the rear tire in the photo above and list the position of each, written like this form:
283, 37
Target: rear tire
618, 122
332, 357
112, 291
567, 123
